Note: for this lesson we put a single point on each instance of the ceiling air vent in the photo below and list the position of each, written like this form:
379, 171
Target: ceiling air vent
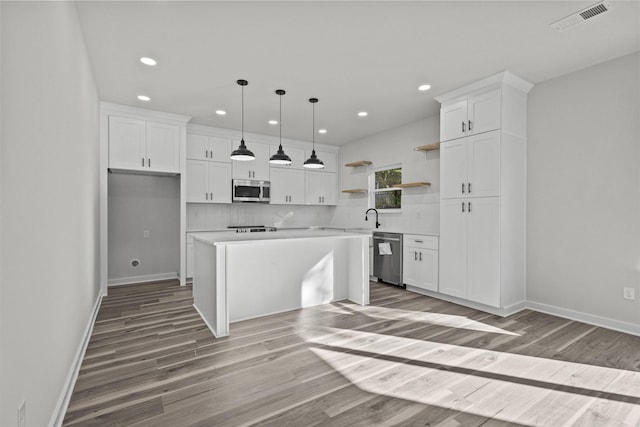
581, 16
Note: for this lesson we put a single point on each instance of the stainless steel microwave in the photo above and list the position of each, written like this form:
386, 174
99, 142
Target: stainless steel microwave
249, 190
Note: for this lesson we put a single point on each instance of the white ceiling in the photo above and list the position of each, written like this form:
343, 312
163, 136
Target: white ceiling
353, 56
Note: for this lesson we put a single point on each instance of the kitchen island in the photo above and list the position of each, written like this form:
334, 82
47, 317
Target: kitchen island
240, 276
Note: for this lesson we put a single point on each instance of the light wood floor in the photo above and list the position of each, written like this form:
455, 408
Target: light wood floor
404, 360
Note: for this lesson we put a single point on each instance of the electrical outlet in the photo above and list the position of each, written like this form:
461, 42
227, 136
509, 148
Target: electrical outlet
22, 414
629, 293
145, 234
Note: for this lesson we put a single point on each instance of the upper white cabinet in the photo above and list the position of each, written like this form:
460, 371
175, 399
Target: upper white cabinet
470, 115
287, 186
320, 188
208, 182
473, 166
258, 168
296, 154
483, 193
143, 145
211, 148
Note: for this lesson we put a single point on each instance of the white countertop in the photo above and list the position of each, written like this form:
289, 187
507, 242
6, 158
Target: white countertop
232, 237
336, 228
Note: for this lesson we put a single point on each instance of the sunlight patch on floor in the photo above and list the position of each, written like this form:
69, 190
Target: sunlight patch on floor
505, 386
438, 319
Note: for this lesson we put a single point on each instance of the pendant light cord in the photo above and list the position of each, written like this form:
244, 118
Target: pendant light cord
242, 112
280, 119
313, 124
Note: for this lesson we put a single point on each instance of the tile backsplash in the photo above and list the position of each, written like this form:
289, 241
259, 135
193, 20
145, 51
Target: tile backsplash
220, 216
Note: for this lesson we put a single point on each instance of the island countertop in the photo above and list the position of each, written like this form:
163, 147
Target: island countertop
226, 237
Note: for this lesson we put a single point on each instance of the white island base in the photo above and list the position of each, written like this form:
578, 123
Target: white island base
240, 276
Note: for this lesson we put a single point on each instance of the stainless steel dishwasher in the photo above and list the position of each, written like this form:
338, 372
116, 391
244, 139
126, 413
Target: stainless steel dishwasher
387, 257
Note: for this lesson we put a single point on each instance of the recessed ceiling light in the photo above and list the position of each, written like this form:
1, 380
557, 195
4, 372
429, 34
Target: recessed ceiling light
144, 98
424, 87
148, 61
363, 114
322, 131
221, 112
273, 122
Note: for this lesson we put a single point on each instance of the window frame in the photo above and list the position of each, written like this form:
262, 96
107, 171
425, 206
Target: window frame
373, 190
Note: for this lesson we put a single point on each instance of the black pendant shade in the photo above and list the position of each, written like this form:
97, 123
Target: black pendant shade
280, 158
313, 162
242, 153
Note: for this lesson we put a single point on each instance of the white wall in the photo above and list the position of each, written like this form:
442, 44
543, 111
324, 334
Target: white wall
139, 203
583, 215
49, 210
420, 206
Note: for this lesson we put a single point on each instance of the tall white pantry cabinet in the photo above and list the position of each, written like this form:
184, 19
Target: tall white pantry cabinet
483, 193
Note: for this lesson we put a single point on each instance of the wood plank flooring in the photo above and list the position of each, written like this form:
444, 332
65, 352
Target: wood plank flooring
405, 360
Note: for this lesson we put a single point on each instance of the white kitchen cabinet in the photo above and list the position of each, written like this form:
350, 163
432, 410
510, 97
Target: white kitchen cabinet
141, 145
329, 158
296, 154
483, 194
470, 249
420, 261
287, 186
320, 188
472, 166
470, 115
211, 148
208, 182
258, 168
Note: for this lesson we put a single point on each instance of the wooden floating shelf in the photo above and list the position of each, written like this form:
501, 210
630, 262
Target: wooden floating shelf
428, 147
356, 164
412, 184
355, 190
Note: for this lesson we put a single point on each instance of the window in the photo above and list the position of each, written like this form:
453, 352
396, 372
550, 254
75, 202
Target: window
383, 195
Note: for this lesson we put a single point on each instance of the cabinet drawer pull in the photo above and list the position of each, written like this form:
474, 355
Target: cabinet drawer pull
469, 125
462, 206
463, 188
418, 241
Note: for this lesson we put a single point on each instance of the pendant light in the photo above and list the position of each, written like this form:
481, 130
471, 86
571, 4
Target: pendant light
280, 158
242, 153
313, 162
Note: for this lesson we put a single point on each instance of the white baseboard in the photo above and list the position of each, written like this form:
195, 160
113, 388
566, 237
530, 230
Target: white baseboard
591, 319
503, 312
142, 279
65, 395
207, 323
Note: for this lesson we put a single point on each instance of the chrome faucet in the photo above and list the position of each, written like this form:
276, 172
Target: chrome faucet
367, 219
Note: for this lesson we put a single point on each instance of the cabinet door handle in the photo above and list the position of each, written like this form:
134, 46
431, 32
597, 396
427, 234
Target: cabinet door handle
463, 129
462, 206
149, 162
469, 207
415, 255
469, 125
210, 196
469, 185
143, 162
463, 188
206, 196
420, 256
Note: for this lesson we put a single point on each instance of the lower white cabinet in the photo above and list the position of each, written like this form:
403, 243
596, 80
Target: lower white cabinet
420, 261
470, 249
208, 182
320, 188
287, 186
